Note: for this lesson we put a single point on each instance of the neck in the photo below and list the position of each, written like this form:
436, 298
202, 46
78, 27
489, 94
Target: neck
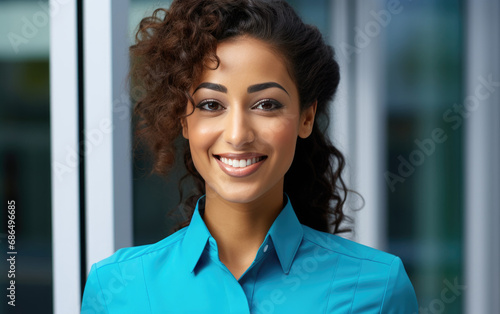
240, 228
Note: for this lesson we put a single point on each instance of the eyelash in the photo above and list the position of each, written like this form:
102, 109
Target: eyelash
203, 103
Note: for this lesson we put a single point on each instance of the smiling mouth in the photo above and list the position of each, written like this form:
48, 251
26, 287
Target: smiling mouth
240, 163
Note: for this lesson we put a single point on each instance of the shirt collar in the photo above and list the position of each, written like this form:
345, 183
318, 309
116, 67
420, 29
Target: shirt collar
286, 234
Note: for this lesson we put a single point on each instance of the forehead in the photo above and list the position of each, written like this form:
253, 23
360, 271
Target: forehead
246, 61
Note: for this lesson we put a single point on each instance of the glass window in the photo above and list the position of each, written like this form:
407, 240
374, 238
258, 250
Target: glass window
424, 79
25, 150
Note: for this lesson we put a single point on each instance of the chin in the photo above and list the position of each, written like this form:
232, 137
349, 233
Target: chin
241, 198
244, 195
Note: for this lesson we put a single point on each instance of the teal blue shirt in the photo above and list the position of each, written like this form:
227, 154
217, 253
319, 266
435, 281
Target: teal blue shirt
296, 270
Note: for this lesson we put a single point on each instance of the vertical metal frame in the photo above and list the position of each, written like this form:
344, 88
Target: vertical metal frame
64, 156
370, 125
108, 181
105, 145
482, 157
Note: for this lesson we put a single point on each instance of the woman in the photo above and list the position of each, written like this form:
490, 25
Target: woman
246, 84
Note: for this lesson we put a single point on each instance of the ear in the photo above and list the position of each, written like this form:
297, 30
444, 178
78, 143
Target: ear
307, 120
184, 128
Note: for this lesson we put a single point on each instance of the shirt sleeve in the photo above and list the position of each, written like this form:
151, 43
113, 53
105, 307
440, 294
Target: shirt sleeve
93, 299
399, 296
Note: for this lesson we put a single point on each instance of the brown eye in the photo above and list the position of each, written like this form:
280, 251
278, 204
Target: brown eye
210, 105
268, 105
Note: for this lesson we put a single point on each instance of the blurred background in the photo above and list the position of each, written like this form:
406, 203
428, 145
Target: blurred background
417, 115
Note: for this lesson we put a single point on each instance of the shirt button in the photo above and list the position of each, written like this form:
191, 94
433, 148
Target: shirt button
265, 248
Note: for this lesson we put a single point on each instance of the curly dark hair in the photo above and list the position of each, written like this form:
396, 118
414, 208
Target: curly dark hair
172, 49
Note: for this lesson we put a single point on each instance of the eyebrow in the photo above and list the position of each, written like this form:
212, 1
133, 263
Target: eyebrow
262, 86
251, 89
212, 86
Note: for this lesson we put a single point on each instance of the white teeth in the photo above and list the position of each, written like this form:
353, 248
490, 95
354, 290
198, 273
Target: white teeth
236, 163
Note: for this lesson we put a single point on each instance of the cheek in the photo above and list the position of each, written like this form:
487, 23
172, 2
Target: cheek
202, 134
281, 127
201, 127
282, 134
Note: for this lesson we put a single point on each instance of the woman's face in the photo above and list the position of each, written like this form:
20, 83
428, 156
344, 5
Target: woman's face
243, 131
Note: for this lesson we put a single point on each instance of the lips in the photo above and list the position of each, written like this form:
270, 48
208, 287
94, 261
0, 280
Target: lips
240, 165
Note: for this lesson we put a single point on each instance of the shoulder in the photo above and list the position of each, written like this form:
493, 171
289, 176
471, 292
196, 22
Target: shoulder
372, 272
120, 277
130, 254
345, 247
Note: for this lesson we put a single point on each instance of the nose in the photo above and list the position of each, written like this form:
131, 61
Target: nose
238, 129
